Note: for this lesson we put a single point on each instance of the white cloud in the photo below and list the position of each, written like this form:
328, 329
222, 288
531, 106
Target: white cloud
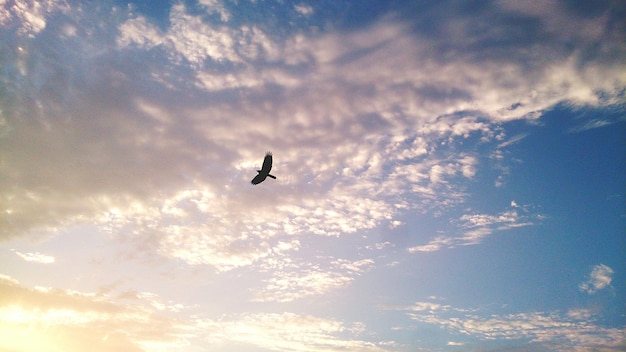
216, 6
595, 123
572, 332
30, 16
304, 9
46, 318
188, 37
36, 257
354, 147
435, 244
357, 266
294, 281
140, 32
288, 332
600, 278
196, 225
8, 280
580, 313
452, 343
512, 140
289, 286
476, 227
152, 136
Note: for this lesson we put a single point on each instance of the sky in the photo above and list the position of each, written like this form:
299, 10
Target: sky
449, 175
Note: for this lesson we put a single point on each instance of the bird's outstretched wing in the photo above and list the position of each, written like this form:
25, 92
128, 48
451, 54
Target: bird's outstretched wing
267, 163
258, 179
265, 170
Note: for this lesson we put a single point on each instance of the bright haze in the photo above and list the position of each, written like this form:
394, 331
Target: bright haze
450, 175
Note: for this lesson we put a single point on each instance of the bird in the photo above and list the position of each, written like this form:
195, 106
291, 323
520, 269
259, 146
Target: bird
265, 170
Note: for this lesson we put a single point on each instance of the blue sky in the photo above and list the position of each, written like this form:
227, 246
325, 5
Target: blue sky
450, 176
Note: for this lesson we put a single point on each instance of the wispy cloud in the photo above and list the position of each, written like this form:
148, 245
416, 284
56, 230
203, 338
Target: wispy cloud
36, 257
38, 319
304, 9
293, 282
599, 279
437, 243
475, 227
452, 343
512, 140
562, 332
289, 332
595, 123
43, 318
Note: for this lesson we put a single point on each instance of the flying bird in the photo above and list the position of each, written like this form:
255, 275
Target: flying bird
265, 170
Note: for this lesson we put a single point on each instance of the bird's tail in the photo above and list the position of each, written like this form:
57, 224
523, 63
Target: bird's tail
272, 176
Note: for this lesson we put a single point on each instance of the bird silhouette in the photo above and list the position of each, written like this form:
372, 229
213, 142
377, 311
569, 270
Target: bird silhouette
265, 170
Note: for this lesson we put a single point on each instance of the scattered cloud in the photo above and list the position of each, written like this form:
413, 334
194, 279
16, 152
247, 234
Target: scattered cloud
148, 131
304, 9
476, 227
435, 244
512, 140
392, 141
574, 331
30, 17
36, 257
288, 332
599, 279
45, 318
595, 123
296, 281
6, 279
218, 7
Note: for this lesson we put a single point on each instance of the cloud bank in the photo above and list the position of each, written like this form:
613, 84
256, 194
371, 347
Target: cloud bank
147, 130
114, 136
44, 318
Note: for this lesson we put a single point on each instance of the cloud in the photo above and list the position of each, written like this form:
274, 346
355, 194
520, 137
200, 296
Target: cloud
435, 244
591, 125
288, 332
595, 123
295, 281
36, 257
304, 9
452, 343
153, 130
180, 225
44, 318
289, 286
216, 6
6, 279
29, 16
512, 140
599, 279
149, 131
476, 227
572, 332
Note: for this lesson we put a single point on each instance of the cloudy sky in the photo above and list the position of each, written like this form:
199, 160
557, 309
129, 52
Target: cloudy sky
450, 175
